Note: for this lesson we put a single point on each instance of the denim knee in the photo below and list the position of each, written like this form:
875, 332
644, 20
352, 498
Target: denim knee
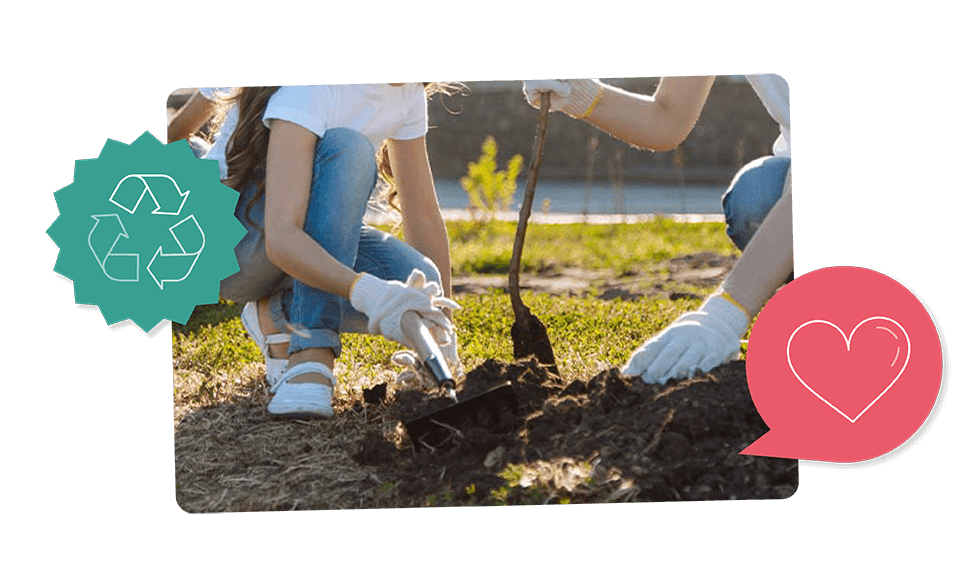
386, 257
356, 149
428, 267
343, 177
755, 190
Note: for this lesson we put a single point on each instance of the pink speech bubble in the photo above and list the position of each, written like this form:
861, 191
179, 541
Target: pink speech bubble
844, 364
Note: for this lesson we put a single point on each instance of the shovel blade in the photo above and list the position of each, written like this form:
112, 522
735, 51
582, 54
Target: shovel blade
530, 338
439, 428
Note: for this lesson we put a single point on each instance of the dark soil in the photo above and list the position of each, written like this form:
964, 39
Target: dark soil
537, 440
607, 439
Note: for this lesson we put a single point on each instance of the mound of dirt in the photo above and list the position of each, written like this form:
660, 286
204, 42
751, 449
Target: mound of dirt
607, 439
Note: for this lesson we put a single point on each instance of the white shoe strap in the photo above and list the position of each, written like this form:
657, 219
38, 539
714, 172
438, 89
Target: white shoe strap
276, 338
309, 367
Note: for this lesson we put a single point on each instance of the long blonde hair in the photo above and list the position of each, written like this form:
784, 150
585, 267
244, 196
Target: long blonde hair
247, 151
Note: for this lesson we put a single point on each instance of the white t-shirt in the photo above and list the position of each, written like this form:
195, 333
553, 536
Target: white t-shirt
774, 93
217, 151
378, 111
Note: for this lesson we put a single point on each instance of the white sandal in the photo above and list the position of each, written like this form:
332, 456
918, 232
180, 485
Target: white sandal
274, 367
303, 399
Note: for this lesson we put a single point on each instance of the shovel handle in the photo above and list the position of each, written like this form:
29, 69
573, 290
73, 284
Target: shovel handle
427, 349
515, 261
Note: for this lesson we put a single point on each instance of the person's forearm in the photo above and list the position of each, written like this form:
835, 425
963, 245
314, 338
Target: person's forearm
429, 236
659, 122
767, 261
301, 257
195, 112
422, 222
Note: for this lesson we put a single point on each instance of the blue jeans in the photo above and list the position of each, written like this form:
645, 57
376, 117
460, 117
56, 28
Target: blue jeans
752, 194
343, 177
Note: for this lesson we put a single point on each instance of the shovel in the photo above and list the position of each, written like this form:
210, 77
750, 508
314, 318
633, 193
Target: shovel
434, 428
528, 332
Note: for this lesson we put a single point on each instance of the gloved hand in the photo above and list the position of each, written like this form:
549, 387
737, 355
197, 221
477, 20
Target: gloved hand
576, 98
385, 301
415, 374
703, 339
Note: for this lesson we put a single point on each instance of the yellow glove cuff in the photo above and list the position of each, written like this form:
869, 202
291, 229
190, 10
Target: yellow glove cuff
731, 299
584, 97
355, 281
596, 100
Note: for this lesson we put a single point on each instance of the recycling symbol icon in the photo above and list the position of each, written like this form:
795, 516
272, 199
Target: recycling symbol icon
168, 199
146, 246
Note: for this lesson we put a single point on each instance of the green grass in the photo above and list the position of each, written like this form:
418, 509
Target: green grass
486, 247
588, 334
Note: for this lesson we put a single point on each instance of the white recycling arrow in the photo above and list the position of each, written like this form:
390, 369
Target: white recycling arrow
177, 264
112, 238
161, 188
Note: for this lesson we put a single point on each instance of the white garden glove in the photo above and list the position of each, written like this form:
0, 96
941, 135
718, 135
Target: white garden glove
415, 374
385, 301
703, 339
576, 98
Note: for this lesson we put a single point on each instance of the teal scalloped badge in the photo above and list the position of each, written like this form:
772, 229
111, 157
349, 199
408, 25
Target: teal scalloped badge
146, 232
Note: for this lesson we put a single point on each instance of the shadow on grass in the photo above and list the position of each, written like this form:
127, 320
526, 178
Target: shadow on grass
208, 314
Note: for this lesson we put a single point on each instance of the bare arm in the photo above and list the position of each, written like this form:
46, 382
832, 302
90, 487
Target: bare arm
422, 222
291, 150
195, 112
768, 259
659, 122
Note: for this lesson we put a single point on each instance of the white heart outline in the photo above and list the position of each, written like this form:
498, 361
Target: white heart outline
847, 341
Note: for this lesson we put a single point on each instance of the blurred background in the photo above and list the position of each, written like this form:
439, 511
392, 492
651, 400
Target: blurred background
585, 171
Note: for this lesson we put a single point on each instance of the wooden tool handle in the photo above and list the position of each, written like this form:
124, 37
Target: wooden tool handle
526, 207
